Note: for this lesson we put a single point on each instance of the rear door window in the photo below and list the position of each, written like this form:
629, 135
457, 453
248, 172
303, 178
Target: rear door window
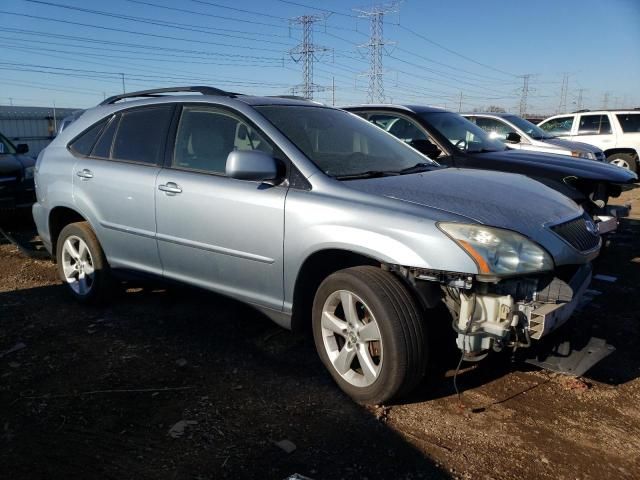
558, 126
630, 122
594, 125
142, 134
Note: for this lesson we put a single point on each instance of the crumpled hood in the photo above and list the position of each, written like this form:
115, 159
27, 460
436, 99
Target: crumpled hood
497, 199
564, 165
571, 145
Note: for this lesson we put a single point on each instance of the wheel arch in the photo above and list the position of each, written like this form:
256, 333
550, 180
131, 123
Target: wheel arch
315, 268
629, 150
322, 263
60, 217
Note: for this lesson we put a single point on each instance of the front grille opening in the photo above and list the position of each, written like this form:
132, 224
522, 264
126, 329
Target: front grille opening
576, 234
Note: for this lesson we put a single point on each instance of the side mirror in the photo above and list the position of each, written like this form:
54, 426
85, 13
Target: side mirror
252, 165
426, 147
513, 137
22, 148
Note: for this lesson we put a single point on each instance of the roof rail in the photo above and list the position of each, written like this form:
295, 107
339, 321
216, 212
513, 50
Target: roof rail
292, 97
158, 91
583, 110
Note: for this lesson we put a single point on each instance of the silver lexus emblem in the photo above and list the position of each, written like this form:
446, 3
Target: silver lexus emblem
592, 228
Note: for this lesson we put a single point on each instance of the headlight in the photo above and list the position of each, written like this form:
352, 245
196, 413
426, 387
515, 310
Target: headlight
497, 251
587, 155
28, 173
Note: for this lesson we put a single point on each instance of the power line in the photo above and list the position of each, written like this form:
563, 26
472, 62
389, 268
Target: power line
134, 45
458, 54
149, 21
121, 30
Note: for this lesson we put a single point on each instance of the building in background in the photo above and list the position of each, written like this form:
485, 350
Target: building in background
35, 126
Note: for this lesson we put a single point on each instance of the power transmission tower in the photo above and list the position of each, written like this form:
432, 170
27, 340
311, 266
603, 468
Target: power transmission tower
605, 101
306, 52
562, 108
376, 44
579, 102
460, 103
524, 93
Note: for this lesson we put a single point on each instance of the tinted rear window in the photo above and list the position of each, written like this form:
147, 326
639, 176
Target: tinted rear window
630, 122
87, 139
142, 134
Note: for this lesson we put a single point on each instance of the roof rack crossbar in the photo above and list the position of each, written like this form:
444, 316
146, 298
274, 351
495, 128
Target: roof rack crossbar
155, 92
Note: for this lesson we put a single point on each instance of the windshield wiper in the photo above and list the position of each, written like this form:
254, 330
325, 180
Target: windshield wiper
417, 168
367, 174
483, 150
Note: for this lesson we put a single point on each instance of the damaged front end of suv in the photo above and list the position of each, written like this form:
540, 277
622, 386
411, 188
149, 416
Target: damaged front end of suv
518, 297
531, 248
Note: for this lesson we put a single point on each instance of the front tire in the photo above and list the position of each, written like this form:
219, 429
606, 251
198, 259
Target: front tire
624, 160
82, 265
369, 334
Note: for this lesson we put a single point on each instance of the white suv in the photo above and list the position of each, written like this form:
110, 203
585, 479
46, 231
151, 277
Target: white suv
617, 132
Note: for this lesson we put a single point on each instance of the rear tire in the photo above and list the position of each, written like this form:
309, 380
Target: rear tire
371, 363
624, 160
82, 265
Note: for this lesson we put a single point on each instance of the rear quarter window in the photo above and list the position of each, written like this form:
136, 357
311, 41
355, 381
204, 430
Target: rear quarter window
630, 122
83, 143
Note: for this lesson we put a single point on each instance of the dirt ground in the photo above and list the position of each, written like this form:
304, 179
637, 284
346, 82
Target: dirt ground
178, 383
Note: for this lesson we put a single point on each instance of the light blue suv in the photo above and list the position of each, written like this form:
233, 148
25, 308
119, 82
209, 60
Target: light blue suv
317, 218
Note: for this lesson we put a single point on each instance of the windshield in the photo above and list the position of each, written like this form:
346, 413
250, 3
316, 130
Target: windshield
527, 127
462, 134
6, 147
340, 143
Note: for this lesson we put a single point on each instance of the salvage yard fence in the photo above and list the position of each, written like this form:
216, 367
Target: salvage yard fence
35, 126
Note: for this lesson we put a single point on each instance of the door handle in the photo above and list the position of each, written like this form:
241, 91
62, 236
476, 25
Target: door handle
170, 188
85, 174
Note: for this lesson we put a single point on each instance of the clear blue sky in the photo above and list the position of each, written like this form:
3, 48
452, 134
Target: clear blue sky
436, 50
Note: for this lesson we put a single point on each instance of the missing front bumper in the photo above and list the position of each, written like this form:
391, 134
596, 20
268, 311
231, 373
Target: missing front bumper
512, 318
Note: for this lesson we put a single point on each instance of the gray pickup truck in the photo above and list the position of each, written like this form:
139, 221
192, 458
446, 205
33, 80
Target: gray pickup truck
318, 219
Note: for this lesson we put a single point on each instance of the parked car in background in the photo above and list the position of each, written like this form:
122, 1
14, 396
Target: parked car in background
518, 133
317, 218
16, 176
454, 141
616, 132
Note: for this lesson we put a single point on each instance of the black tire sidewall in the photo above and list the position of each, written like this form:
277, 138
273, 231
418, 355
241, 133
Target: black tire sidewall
394, 357
101, 279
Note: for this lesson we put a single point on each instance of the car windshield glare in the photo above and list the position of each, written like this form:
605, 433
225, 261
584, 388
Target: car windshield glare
527, 127
463, 134
340, 143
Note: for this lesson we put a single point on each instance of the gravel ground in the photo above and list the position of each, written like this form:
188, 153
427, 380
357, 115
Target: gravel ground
178, 383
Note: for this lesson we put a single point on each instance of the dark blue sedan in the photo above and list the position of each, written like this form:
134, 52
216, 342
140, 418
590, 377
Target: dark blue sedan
16, 176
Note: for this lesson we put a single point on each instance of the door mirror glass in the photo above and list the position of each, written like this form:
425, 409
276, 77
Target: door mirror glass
513, 137
22, 148
252, 165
